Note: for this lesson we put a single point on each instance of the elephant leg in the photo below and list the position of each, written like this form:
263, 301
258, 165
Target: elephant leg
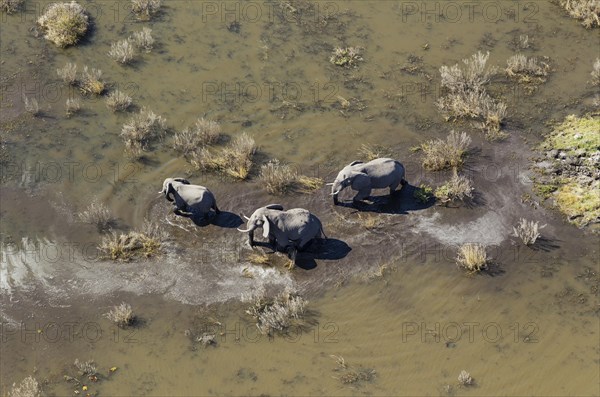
292, 252
362, 194
179, 212
273, 243
393, 187
217, 211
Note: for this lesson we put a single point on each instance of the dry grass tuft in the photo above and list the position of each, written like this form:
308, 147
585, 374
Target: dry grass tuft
586, 11
369, 221
68, 73
143, 39
122, 315
449, 153
472, 257
125, 247
458, 187
145, 9
118, 101
203, 133
122, 51
64, 24
140, 130
31, 106
348, 57
276, 315
91, 81
527, 231
11, 6
72, 106
465, 379
97, 214
308, 184
234, 160
29, 387
471, 77
259, 259
370, 151
527, 70
596, 73
86, 367
278, 178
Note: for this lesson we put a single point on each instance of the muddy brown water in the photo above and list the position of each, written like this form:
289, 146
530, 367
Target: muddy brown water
387, 298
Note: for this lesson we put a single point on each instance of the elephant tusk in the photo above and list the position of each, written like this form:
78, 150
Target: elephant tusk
246, 217
243, 231
329, 184
336, 193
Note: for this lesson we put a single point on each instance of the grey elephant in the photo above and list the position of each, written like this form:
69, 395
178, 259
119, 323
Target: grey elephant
189, 200
376, 174
289, 230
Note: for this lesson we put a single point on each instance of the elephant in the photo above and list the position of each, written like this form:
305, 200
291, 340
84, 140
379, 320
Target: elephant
189, 200
376, 174
290, 230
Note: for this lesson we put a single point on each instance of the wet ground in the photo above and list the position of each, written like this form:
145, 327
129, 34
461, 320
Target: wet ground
384, 291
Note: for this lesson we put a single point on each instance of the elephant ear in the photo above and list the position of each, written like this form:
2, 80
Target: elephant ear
182, 180
266, 226
355, 162
359, 180
277, 207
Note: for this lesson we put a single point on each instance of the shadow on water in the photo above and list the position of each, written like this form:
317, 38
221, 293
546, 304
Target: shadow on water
401, 202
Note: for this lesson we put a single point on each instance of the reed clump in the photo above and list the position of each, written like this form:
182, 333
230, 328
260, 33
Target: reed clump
122, 51
68, 73
439, 154
586, 11
122, 315
527, 70
203, 133
140, 130
527, 231
143, 39
145, 9
97, 214
64, 24
118, 101
72, 106
465, 379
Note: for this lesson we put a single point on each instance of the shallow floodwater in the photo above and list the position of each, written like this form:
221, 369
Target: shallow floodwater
389, 299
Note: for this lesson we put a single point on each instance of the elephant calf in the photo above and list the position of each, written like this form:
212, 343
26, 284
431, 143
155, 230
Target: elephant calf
376, 174
189, 200
290, 230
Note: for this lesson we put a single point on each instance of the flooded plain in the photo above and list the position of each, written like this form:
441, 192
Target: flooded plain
385, 294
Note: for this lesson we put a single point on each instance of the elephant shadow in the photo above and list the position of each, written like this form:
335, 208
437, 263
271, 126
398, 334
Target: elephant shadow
401, 201
224, 219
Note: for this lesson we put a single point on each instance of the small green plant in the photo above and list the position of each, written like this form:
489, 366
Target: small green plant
347, 57
472, 257
64, 24
423, 194
122, 315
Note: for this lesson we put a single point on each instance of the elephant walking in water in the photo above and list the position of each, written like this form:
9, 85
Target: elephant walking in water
289, 230
189, 200
376, 174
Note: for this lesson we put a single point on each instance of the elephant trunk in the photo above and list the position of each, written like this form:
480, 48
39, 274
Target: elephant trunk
336, 188
250, 232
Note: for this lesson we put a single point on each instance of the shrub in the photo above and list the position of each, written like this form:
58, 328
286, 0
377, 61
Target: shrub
64, 24
31, 105
278, 314
347, 57
527, 231
123, 51
472, 257
122, 315
145, 9
472, 77
204, 132
140, 130
449, 153
11, 6
464, 378
97, 214
118, 101
125, 247
72, 106
458, 187
234, 160
29, 387
596, 72
91, 82
586, 11
143, 39
68, 73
